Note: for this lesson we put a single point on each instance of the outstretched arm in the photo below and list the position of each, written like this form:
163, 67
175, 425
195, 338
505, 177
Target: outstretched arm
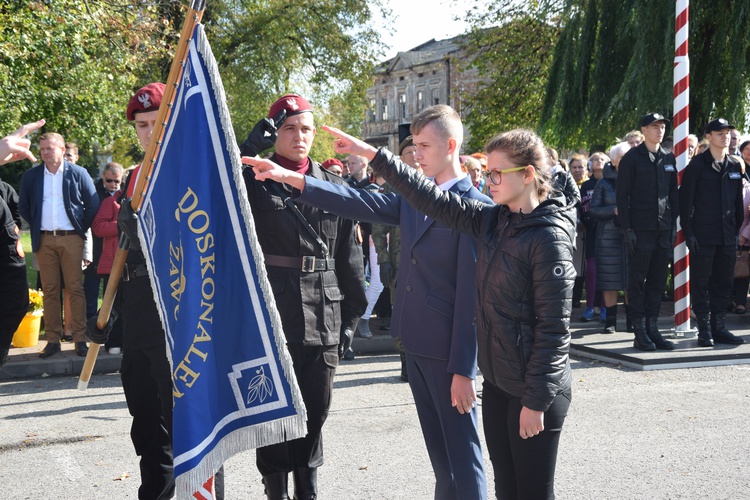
15, 147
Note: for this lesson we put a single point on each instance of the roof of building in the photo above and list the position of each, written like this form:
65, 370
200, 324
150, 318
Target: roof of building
428, 52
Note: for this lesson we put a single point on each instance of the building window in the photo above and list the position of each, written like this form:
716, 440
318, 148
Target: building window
371, 114
420, 100
435, 97
402, 105
384, 109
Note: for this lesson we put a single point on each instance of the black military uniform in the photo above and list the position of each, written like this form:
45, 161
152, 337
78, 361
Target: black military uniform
647, 206
315, 305
14, 290
711, 214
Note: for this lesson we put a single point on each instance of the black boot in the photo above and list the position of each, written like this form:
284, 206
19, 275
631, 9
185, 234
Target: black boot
628, 319
404, 375
610, 325
642, 341
652, 329
704, 331
720, 333
305, 483
276, 486
3, 357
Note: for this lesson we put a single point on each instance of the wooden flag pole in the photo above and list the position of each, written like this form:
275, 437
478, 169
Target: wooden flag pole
192, 18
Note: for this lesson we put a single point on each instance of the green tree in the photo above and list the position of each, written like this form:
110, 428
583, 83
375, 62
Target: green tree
513, 61
75, 64
322, 49
614, 62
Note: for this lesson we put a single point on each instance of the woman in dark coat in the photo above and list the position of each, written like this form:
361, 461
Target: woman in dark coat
524, 279
611, 254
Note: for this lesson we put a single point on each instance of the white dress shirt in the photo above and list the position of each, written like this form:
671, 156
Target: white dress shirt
53, 203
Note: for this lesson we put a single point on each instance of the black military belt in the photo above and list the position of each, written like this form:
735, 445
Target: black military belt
60, 232
306, 264
132, 271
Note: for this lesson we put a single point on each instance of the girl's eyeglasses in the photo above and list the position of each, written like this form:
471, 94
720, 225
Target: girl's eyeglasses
496, 176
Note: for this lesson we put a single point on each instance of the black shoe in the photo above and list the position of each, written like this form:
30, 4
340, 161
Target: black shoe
3, 357
349, 355
720, 333
642, 342
726, 337
82, 349
67, 338
50, 349
652, 329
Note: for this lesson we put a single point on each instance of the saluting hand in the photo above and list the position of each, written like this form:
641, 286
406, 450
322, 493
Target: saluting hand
346, 144
266, 169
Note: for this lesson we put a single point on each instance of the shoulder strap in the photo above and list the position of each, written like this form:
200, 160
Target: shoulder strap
289, 203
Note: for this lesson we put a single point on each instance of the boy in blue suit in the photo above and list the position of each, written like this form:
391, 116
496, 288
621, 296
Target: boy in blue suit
434, 303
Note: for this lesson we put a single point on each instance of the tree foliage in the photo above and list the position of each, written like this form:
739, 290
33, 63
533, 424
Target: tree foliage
322, 49
75, 64
614, 63
513, 60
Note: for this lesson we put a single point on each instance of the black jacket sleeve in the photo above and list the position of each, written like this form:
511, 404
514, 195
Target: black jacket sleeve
448, 208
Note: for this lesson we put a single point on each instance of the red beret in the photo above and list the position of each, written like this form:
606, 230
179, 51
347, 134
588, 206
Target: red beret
148, 98
332, 161
293, 104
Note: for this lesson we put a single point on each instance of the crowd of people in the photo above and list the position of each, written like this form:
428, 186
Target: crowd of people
484, 256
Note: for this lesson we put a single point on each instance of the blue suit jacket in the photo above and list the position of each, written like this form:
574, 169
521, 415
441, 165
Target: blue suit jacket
79, 194
433, 310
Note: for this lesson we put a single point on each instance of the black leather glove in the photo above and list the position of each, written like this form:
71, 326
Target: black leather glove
630, 240
127, 222
263, 135
345, 341
386, 273
692, 244
100, 336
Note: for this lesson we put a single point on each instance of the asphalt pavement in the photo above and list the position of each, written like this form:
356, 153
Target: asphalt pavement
669, 433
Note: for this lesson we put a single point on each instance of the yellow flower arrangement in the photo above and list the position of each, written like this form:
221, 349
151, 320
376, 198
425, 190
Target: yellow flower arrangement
36, 302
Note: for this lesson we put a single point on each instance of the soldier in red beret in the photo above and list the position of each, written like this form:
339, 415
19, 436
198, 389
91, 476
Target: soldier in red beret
316, 273
145, 372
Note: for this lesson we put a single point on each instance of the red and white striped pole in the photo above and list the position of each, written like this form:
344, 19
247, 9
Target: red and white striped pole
681, 131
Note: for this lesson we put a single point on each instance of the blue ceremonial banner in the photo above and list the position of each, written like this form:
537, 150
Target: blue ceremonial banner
233, 381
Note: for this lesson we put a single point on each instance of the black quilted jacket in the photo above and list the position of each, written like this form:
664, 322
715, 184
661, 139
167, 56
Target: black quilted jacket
524, 282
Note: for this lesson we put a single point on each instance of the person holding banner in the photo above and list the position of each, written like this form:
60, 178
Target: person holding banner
316, 272
145, 371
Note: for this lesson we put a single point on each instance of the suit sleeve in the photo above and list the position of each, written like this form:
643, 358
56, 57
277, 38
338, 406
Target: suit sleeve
90, 200
462, 359
357, 204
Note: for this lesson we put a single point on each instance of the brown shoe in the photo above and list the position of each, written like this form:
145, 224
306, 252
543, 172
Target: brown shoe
50, 349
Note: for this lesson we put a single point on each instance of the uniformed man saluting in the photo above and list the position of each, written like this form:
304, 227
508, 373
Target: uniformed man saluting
315, 270
711, 213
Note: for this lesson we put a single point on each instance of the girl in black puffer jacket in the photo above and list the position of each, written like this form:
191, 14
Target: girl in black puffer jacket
524, 283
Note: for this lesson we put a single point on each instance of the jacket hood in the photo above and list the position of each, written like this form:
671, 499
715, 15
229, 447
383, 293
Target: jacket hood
554, 211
